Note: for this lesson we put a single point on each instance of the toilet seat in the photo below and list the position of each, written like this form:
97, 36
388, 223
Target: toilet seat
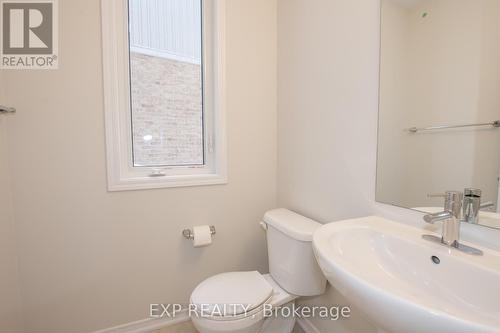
251, 321
231, 296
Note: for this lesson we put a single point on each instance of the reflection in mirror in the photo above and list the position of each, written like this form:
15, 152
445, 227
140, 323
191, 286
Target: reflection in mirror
440, 106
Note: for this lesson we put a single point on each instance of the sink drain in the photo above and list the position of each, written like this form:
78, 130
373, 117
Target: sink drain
436, 260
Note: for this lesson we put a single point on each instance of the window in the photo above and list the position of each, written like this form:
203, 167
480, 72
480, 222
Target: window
163, 76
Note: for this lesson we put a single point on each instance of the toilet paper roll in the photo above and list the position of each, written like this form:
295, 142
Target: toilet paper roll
202, 236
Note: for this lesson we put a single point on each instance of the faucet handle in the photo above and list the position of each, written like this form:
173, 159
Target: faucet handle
453, 202
452, 195
452, 207
436, 195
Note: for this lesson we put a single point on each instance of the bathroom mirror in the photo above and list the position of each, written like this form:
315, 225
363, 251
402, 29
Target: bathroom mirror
439, 112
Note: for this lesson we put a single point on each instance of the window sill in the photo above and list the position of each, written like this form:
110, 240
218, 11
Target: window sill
146, 183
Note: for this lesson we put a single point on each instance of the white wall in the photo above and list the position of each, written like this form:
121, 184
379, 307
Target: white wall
9, 279
327, 88
327, 116
90, 259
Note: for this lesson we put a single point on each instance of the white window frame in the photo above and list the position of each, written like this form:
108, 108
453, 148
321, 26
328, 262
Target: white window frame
122, 175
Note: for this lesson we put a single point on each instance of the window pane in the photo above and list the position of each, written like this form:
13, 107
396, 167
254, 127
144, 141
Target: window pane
166, 82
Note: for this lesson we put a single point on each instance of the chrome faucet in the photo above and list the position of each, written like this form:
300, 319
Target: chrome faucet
472, 205
451, 217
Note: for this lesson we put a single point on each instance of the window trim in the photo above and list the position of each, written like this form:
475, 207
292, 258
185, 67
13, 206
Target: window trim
121, 174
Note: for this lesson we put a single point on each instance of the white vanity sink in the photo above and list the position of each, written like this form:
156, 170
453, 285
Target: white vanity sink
387, 270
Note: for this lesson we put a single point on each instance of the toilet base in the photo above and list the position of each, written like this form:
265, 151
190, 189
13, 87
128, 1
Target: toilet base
279, 324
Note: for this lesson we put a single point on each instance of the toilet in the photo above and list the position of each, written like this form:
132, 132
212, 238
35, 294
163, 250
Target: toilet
251, 302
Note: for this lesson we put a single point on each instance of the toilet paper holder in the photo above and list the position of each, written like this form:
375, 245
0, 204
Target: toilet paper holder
188, 233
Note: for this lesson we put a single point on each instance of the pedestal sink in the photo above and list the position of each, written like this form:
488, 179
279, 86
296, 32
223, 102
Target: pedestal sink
405, 284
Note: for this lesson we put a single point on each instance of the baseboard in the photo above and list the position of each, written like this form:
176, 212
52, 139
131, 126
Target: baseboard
148, 325
307, 326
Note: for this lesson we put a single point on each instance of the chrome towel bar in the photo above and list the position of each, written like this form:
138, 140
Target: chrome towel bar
6, 109
494, 124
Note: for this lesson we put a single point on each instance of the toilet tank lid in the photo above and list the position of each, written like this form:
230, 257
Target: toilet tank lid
292, 224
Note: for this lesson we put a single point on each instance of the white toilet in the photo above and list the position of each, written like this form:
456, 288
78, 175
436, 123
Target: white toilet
239, 302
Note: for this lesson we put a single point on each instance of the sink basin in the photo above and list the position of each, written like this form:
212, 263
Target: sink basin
405, 284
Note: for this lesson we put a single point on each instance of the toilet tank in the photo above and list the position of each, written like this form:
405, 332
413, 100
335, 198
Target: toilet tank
291, 259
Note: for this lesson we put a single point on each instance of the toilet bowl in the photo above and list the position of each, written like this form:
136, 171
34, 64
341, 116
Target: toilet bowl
247, 302
259, 296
